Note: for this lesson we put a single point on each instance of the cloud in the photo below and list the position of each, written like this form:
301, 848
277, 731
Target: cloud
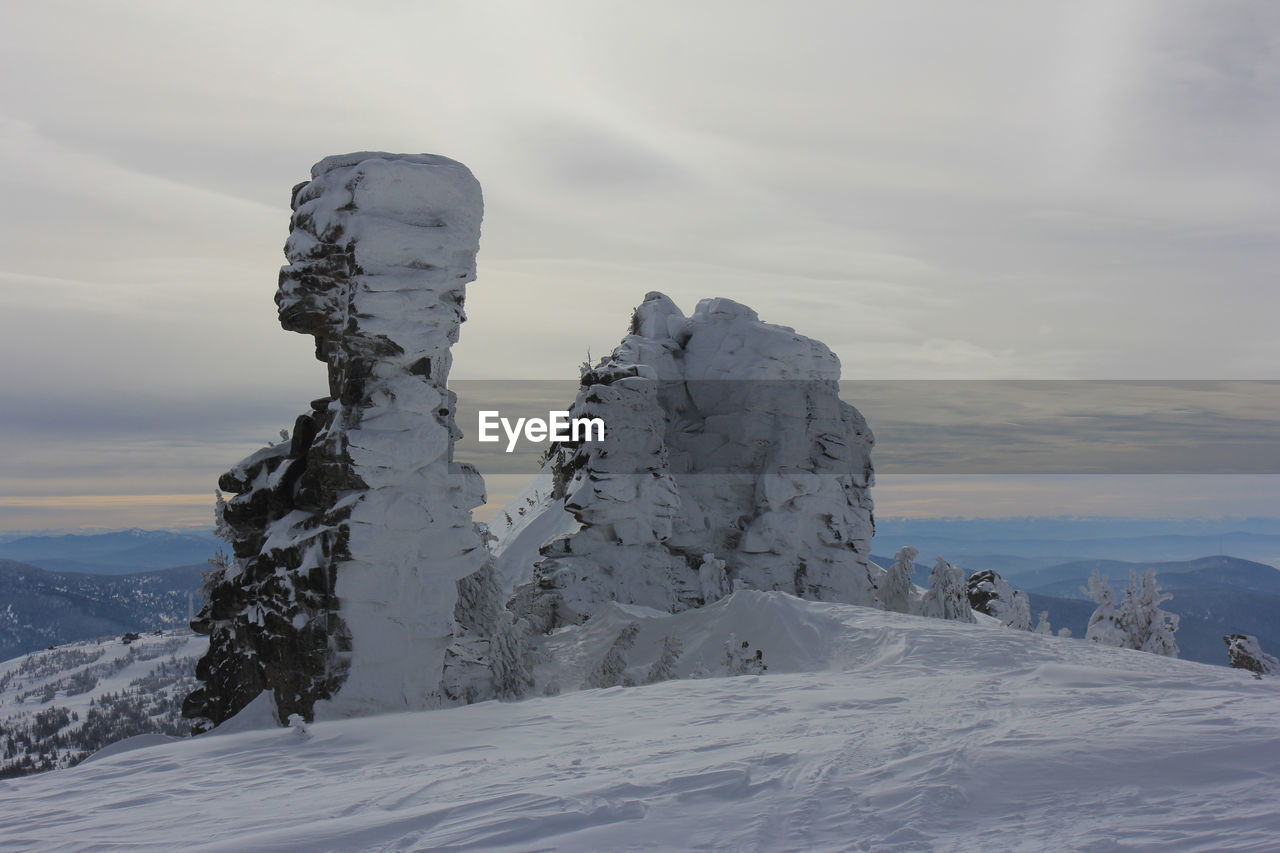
1063, 190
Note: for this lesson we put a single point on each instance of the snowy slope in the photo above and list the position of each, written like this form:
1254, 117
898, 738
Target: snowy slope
59, 705
871, 730
529, 520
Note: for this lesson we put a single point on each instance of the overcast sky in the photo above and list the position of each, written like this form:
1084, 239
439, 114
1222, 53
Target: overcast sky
1080, 190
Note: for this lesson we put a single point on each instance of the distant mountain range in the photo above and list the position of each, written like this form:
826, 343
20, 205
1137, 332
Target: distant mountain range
39, 607
121, 552
1015, 547
73, 587
1066, 580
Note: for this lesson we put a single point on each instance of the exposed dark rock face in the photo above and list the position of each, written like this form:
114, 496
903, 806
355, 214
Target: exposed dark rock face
351, 537
1245, 652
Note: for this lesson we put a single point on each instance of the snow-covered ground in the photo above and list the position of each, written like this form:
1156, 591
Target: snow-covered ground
870, 730
59, 705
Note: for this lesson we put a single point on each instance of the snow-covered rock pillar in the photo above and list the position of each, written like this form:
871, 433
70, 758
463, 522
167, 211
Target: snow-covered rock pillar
350, 539
728, 460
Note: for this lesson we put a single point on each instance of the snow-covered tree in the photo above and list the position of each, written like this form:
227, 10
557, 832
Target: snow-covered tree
946, 597
712, 579
611, 670
1150, 629
894, 589
221, 528
1105, 625
1042, 627
1245, 652
1020, 617
487, 656
1138, 622
740, 660
220, 565
511, 676
663, 668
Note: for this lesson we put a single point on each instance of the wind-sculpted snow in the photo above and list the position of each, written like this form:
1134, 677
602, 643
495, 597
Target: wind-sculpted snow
869, 731
729, 461
350, 538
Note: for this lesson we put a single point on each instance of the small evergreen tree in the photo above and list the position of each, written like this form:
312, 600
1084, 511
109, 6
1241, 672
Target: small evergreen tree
511, 676
611, 670
894, 589
946, 597
1150, 628
1127, 616
1105, 626
663, 668
1042, 627
712, 579
1020, 612
739, 660
221, 528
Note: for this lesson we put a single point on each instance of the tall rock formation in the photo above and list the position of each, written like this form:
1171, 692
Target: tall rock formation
351, 538
728, 460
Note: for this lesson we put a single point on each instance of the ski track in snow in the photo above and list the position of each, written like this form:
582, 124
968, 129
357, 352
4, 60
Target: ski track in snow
912, 735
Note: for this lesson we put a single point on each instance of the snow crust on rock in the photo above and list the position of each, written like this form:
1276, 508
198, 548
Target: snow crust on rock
1245, 652
350, 539
991, 594
870, 730
727, 450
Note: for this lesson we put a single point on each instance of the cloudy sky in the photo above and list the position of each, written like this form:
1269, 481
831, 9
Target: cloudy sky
1082, 190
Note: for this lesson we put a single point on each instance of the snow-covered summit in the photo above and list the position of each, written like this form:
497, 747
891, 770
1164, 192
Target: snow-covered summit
729, 460
870, 730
